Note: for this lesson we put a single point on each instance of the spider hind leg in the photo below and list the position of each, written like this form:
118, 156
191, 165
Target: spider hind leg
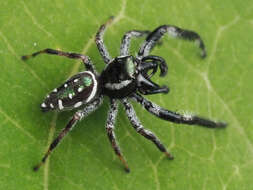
142, 131
79, 115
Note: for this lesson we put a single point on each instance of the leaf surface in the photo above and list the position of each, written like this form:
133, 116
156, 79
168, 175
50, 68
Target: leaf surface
218, 87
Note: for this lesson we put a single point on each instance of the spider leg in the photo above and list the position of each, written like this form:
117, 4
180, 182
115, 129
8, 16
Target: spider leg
100, 42
173, 31
141, 130
163, 89
85, 59
110, 132
77, 117
175, 117
126, 40
146, 86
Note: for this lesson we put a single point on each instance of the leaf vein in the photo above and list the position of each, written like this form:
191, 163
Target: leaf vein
17, 125
35, 22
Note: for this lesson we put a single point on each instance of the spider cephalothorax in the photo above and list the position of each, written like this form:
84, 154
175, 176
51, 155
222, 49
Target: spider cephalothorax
124, 78
126, 74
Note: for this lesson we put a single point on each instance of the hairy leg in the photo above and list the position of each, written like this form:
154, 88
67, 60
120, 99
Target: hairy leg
173, 31
126, 40
100, 42
141, 130
77, 117
85, 59
175, 117
110, 132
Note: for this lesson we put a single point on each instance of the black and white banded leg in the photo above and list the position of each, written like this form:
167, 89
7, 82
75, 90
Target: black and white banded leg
110, 132
100, 42
173, 31
175, 117
79, 115
126, 40
141, 130
85, 59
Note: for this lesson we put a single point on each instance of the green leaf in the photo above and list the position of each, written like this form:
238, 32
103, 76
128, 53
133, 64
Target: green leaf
218, 87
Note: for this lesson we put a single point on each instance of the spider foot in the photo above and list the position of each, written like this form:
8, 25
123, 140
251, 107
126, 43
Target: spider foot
37, 167
124, 163
221, 125
25, 57
127, 170
110, 20
170, 156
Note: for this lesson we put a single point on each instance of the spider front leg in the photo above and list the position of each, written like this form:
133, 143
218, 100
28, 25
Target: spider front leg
175, 117
126, 40
141, 130
100, 42
79, 115
110, 132
173, 31
85, 59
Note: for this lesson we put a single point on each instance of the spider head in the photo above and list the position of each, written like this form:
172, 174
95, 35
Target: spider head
127, 74
146, 68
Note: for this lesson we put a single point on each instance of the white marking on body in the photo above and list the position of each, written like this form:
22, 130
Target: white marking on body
51, 105
78, 104
65, 85
48, 96
55, 90
70, 96
76, 80
155, 108
172, 31
94, 89
80, 89
188, 115
43, 105
60, 104
117, 86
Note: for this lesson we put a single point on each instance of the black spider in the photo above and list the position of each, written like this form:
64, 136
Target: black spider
124, 77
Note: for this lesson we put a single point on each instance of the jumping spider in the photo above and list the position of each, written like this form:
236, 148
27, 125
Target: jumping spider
124, 78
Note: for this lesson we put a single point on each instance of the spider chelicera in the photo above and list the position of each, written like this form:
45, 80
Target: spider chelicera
124, 78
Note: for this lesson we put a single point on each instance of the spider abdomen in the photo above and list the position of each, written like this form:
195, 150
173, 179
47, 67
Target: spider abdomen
78, 90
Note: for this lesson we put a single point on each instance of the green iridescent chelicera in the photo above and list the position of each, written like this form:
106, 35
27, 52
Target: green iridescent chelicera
87, 81
130, 67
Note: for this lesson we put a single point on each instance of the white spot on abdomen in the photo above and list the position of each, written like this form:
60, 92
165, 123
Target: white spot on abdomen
78, 104
80, 89
60, 104
43, 105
